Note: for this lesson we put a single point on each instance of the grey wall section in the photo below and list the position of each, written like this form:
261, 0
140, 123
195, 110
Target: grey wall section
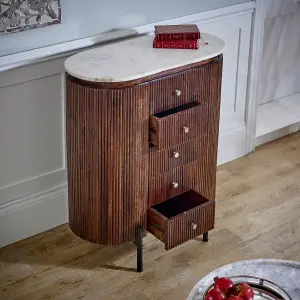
280, 74
83, 18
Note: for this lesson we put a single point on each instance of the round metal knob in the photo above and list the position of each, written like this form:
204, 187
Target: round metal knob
194, 226
186, 129
175, 185
175, 154
178, 92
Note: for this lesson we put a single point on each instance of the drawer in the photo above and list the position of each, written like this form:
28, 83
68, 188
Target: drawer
197, 175
179, 125
196, 84
162, 161
181, 218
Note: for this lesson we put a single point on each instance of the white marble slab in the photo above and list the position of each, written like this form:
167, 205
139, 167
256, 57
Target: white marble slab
135, 58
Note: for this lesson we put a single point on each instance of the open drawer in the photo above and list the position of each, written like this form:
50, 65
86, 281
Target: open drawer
181, 218
179, 125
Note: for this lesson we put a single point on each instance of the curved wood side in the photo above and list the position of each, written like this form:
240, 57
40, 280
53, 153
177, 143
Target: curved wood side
107, 155
214, 92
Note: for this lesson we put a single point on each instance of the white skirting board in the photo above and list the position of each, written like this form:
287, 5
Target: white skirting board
33, 214
277, 118
232, 144
45, 210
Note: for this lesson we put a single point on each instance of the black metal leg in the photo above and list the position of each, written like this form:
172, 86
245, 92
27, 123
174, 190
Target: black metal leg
139, 248
205, 237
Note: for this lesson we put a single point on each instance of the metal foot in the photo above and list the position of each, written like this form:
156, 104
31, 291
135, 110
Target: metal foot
139, 245
205, 237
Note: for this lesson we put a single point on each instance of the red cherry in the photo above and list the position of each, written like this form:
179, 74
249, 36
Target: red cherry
244, 291
215, 294
234, 298
224, 284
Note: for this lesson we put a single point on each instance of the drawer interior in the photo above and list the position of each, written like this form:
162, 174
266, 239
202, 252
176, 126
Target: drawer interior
175, 110
180, 204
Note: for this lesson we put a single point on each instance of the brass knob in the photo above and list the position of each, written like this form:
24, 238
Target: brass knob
175, 154
186, 129
175, 185
194, 226
178, 92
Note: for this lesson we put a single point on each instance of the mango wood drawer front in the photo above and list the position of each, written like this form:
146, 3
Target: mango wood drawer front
184, 87
198, 175
179, 125
162, 161
181, 218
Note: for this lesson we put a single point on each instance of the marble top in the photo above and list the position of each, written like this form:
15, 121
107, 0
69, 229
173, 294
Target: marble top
136, 58
284, 273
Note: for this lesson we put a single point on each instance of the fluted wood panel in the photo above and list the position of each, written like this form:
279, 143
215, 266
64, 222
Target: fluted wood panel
195, 175
207, 183
161, 188
168, 131
181, 218
107, 162
179, 229
194, 86
162, 161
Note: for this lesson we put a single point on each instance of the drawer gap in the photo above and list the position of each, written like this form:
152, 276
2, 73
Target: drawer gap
175, 110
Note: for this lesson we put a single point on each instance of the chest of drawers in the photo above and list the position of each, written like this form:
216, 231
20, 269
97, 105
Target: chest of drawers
142, 151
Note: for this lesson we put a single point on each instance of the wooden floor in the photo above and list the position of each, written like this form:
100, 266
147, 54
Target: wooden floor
258, 216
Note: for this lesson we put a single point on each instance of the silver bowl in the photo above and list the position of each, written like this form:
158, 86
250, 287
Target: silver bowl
264, 289
283, 278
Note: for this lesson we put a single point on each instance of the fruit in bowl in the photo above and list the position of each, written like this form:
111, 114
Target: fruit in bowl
224, 284
242, 290
215, 294
225, 289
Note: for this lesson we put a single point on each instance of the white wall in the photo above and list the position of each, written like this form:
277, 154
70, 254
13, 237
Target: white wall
33, 181
91, 17
280, 73
32, 150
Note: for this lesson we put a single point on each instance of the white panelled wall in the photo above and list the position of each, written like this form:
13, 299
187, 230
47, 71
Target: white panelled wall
236, 32
33, 182
32, 150
279, 92
280, 73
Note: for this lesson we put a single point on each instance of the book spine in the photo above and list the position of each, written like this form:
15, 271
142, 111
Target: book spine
178, 36
176, 44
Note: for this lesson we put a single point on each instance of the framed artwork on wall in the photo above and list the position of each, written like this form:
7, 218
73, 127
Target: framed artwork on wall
19, 15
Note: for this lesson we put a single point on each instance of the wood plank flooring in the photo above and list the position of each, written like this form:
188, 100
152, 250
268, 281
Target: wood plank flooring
258, 216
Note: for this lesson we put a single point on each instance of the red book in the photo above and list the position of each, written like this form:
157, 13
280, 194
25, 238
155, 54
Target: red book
177, 32
177, 44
